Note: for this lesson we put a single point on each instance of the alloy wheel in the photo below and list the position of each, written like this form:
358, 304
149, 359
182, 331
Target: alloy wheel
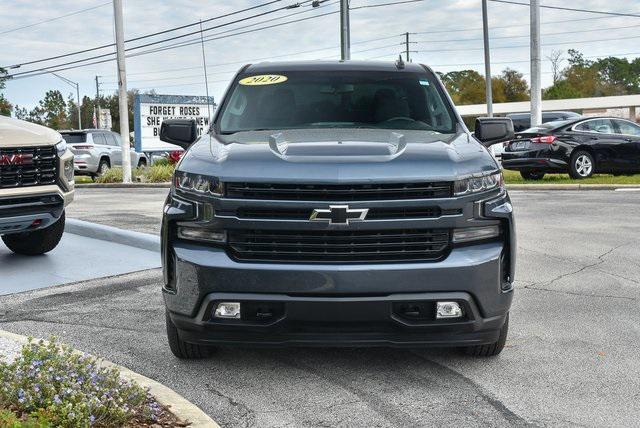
584, 166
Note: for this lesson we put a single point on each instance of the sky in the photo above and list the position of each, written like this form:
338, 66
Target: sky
450, 39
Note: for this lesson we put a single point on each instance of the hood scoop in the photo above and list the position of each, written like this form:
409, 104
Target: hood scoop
337, 150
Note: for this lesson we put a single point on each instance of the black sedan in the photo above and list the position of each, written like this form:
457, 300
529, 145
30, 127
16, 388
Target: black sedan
580, 147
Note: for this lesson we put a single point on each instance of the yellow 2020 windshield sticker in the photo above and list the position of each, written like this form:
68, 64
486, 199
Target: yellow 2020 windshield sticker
263, 79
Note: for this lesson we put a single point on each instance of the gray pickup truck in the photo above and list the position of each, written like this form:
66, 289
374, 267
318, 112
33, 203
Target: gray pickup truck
337, 204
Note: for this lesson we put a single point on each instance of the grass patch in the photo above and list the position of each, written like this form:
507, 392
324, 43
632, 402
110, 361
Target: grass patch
513, 177
51, 385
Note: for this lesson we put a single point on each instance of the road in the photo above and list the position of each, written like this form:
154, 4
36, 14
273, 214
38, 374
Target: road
571, 356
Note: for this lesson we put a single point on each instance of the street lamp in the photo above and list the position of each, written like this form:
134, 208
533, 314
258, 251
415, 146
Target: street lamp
77, 86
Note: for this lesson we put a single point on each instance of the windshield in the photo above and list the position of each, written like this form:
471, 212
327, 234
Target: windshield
72, 138
335, 99
547, 126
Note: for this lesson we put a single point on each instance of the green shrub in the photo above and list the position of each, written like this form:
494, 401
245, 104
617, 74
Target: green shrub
152, 174
51, 385
158, 173
161, 161
113, 175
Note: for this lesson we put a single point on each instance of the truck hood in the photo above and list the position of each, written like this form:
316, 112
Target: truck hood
18, 133
349, 155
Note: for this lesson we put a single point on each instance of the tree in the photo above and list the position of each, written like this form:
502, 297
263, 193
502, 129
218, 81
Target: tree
468, 87
5, 105
50, 111
465, 87
112, 103
555, 57
515, 87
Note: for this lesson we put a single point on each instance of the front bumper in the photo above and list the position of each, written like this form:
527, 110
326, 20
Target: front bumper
342, 304
339, 305
339, 321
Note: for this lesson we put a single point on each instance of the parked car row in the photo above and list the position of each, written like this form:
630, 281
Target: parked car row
580, 147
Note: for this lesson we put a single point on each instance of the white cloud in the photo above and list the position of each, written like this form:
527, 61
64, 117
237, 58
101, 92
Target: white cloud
440, 49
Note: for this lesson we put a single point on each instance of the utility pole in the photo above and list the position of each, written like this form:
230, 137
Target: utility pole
122, 92
345, 31
97, 91
96, 107
206, 80
487, 59
536, 65
406, 43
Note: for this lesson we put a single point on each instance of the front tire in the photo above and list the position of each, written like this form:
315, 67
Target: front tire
36, 242
182, 349
492, 349
582, 165
103, 167
532, 175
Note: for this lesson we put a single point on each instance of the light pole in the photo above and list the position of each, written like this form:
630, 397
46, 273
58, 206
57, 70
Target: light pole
487, 59
345, 31
77, 86
122, 92
536, 64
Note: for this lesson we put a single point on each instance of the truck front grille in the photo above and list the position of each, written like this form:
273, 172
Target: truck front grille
28, 166
339, 246
373, 214
339, 192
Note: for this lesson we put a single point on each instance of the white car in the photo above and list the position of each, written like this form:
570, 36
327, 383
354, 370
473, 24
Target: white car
97, 150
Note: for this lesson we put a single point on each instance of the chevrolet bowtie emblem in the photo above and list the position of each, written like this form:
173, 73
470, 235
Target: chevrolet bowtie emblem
339, 214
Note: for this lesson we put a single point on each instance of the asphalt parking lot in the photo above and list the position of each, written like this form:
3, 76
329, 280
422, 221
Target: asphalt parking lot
571, 356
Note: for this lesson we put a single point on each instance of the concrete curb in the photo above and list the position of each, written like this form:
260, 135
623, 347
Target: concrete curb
123, 185
140, 240
509, 186
571, 186
179, 406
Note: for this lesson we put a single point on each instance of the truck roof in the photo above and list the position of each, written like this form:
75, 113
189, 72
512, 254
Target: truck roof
283, 66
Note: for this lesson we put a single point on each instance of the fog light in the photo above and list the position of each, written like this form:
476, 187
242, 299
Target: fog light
227, 310
201, 234
475, 233
448, 310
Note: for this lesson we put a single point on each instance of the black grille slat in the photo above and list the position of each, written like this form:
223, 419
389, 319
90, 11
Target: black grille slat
305, 213
339, 192
42, 170
339, 246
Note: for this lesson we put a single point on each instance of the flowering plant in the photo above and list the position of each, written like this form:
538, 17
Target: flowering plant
50, 381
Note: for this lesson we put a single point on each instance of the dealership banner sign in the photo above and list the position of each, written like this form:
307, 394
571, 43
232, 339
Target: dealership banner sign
150, 110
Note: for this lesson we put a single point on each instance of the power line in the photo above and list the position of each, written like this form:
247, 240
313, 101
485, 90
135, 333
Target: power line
215, 36
367, 6
74, 64
55, 19
571, 9
166, 31
523, 36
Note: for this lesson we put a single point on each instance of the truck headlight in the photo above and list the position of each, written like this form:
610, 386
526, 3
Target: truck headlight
197, 183
478, 184
61, 148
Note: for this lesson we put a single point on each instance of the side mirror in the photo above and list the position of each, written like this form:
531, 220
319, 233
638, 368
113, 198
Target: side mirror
181, 132
494, 130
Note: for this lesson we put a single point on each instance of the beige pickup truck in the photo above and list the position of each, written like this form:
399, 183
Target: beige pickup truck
36, 184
